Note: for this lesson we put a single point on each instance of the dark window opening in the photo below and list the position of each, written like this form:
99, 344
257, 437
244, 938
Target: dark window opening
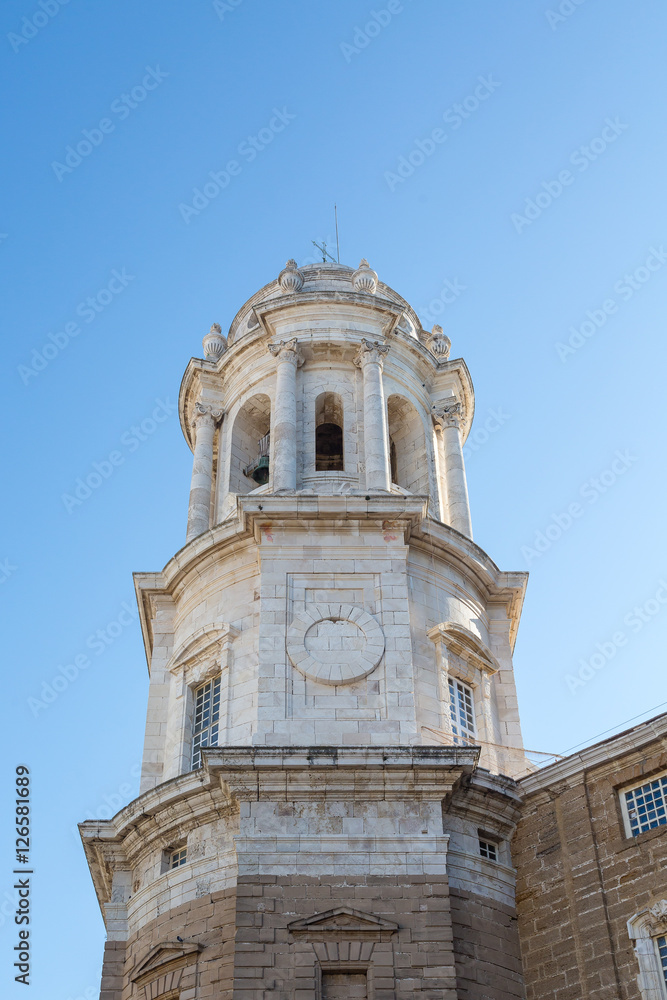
259, 469
392, 461
329, 448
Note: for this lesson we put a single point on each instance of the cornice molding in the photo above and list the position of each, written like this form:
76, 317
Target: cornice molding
605, 753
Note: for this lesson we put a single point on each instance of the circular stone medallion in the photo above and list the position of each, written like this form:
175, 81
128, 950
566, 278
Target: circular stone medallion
335, 643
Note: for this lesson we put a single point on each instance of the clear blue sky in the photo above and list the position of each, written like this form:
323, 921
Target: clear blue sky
569, 116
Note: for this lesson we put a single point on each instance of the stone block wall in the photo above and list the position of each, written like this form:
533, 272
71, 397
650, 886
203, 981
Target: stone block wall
581, 877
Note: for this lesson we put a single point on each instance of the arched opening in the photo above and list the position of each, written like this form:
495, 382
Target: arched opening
329, 432
249, 464
407, 446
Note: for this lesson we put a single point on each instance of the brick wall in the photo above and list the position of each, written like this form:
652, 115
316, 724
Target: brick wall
580, 877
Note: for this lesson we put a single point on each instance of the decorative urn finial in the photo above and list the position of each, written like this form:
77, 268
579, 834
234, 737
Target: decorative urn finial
214, 343
291, 278
364, 278
439, 343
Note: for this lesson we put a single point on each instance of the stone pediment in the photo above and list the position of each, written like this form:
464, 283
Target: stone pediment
169, 956
343, 920
203, 653
464, 643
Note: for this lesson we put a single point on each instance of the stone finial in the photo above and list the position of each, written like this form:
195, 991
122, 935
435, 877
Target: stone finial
438, 343
370, 351
290, 278
214, 343
364, 278
447, 414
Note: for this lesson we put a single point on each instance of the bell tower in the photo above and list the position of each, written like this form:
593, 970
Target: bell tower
332, 734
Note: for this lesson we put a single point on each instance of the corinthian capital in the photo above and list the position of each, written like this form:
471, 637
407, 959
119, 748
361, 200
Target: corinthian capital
205, 414
371, 352
447, 415
287, 350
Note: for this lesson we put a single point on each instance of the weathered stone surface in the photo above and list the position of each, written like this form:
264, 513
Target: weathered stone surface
329, 844
581, 876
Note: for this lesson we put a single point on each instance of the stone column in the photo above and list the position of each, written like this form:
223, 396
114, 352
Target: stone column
204, 422
370, 359
442, 472
283, 425
448, 420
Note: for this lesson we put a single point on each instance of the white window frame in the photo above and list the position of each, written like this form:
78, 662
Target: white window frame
488, 849
207, 734
627, 810
463, 733
178, 858
646, 929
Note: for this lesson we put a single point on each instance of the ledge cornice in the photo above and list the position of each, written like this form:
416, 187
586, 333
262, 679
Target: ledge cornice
599, 755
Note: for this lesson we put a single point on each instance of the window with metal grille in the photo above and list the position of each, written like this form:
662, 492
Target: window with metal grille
488, 850
207, 719
178, 858
646, 805
661, 942
462, 711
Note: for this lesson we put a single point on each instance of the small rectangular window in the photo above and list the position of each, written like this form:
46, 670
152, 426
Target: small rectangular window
645, 806
488, 850
462, 711
344, 985
178, 858
207, 719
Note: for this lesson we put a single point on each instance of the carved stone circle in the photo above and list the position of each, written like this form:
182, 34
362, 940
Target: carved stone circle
335, 643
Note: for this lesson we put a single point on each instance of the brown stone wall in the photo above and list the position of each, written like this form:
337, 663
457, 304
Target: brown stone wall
112, 970
416, 960
486, 946
249, 949
580, 878
208, 921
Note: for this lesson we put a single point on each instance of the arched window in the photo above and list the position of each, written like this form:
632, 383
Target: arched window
407, 446
328, 433
648, 933
249, 465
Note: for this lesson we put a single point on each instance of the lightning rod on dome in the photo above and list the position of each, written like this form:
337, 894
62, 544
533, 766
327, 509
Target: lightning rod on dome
323, 248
